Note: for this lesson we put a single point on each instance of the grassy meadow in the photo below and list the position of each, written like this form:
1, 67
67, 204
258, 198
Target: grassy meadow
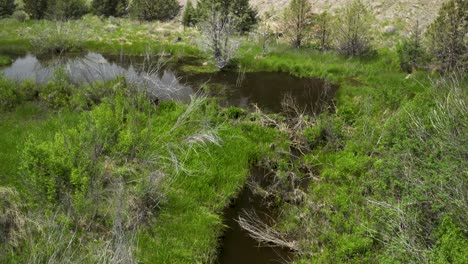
100, 173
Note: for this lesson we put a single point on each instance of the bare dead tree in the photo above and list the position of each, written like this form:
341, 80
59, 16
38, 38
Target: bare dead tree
218, 30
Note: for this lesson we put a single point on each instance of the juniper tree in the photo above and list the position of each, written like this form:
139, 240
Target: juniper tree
66, 9
240, 11
353, 29
410, 49
323, 32
116, 8
189, 16
154, 9
36, 8
246, 16
297, 22
7, 7
447, 36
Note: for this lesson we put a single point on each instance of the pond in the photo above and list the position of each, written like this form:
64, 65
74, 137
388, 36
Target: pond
168, 82
265, 89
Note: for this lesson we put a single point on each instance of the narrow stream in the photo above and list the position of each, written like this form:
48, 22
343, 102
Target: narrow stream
236, 245
265, 89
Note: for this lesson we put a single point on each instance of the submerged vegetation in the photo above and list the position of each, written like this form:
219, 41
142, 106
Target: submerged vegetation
107, 172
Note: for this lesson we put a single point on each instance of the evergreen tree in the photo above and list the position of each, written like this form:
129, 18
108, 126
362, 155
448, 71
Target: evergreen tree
116, 8
447, 36
353, 29
7, 7
66, 9
189, 16
37, 9
297, 23
323, 32
246, 15
243, 15
154, 9
410, 50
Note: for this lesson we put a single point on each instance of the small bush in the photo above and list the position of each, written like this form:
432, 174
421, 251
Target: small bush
447, 36
116, 8
66, 9
57, 93
189, 17
56, 39
7, 7
410, 50
353, 29
20, 15
8, 97
36, 8
154, 9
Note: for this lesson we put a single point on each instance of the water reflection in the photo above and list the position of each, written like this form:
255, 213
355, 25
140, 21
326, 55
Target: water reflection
267, 90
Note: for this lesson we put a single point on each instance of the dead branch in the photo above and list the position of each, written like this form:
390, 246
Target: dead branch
264, 233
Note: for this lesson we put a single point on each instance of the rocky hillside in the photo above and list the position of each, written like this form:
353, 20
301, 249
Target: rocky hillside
387, 11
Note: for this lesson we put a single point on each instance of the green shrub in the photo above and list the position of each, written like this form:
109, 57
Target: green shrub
58, 92
116, 8
353, 29
451, 245
410, 50
8, 97
154, 9
189, 17
57, 38
20, 15
447, 36
243, 16
66, 9
7, 7
36, 8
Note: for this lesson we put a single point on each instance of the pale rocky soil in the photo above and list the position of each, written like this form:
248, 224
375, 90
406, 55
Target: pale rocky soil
388, 12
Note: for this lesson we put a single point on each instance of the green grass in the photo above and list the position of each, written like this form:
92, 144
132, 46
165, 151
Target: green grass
15, 127
368, 149
92, 33
4, 61
202, 178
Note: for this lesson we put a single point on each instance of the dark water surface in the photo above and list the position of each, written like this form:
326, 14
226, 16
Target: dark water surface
265, 89
236, 245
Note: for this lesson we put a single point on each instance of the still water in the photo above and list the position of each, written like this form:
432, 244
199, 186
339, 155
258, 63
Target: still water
265, 89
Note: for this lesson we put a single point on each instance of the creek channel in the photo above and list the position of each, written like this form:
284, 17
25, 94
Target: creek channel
168, 82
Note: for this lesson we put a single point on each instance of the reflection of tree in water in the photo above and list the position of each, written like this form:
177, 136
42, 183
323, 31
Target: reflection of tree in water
161, 79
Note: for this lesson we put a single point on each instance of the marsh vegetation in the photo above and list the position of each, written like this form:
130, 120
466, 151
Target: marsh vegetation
147, 132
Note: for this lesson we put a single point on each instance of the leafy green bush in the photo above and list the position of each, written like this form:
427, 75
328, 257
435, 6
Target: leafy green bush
410, 50
353, 29
66, 9
20, 15
447, 36
36, 8
58, 92
241, 13
8, 96
189, 17
7, 7
58, 38
116, 8
154, 9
